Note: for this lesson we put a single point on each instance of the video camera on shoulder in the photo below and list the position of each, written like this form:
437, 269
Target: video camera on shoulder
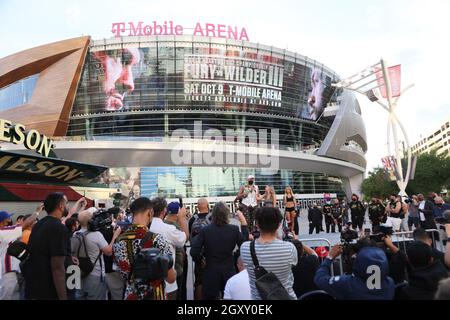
382, 233
100, 221
348, 234
150, 264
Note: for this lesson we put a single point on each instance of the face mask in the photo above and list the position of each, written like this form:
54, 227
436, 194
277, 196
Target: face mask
439, 204
353, 199
250, 182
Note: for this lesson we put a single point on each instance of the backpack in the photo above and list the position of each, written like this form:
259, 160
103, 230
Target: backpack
198, 224
85, 263
268, 285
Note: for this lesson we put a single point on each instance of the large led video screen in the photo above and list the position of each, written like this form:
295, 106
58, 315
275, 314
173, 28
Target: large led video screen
168, 77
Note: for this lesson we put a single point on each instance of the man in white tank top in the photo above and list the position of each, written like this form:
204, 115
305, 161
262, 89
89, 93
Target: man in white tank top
249, 197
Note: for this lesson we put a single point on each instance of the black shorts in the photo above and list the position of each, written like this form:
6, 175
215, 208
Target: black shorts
290, 209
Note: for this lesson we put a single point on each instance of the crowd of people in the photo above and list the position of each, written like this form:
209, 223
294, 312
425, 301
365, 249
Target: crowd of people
142, 253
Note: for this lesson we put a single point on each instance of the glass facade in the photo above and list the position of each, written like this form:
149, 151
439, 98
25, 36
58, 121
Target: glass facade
193, 182
145, 90
17, 93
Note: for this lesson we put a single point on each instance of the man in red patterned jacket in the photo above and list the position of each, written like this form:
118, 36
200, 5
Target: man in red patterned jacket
128, 244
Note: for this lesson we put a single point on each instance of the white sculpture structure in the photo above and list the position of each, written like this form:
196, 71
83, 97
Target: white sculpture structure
378, 82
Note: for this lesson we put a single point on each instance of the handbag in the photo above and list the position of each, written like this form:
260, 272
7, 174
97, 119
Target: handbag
18, 250
268, 285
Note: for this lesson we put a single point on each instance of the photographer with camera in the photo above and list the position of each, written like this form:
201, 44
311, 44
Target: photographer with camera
144, 258
89, 246
107, 223
177, 238
369, 280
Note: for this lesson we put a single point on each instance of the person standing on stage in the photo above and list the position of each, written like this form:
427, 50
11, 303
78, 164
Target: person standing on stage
249, 196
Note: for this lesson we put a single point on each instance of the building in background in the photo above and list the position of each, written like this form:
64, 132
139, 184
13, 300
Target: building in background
438, 140
117, 102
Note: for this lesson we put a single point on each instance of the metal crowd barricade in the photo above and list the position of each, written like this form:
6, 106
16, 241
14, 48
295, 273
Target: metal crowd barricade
328, 244
441, 241
404, 237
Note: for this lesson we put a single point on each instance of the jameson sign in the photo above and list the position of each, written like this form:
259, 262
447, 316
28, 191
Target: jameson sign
169, 28
14, 166
233, 80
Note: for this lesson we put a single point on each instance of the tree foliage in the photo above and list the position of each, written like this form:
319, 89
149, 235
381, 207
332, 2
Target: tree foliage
378, 185
432, 175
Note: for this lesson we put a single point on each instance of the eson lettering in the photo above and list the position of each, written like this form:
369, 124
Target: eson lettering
32, 139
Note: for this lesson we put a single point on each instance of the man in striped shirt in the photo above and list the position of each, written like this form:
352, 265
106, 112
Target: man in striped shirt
273, 254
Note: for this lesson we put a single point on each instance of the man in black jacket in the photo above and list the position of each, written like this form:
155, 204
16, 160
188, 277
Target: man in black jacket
357, 212
218, 241
425, 273
426, 211
376, 214
329, 220
315, 218
338, 212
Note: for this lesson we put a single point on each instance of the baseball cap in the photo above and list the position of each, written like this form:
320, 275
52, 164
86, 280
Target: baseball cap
4, 215
322, 252
250, 177
173, 208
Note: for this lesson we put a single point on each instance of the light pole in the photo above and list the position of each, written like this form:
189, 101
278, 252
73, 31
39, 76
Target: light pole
363, 82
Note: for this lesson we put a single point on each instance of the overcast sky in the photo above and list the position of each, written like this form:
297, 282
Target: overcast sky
345, 35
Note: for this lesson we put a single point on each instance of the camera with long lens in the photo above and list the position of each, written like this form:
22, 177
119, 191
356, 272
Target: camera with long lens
408, 200
348, 235
150, 265
349, 248
382, 233
100, 221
